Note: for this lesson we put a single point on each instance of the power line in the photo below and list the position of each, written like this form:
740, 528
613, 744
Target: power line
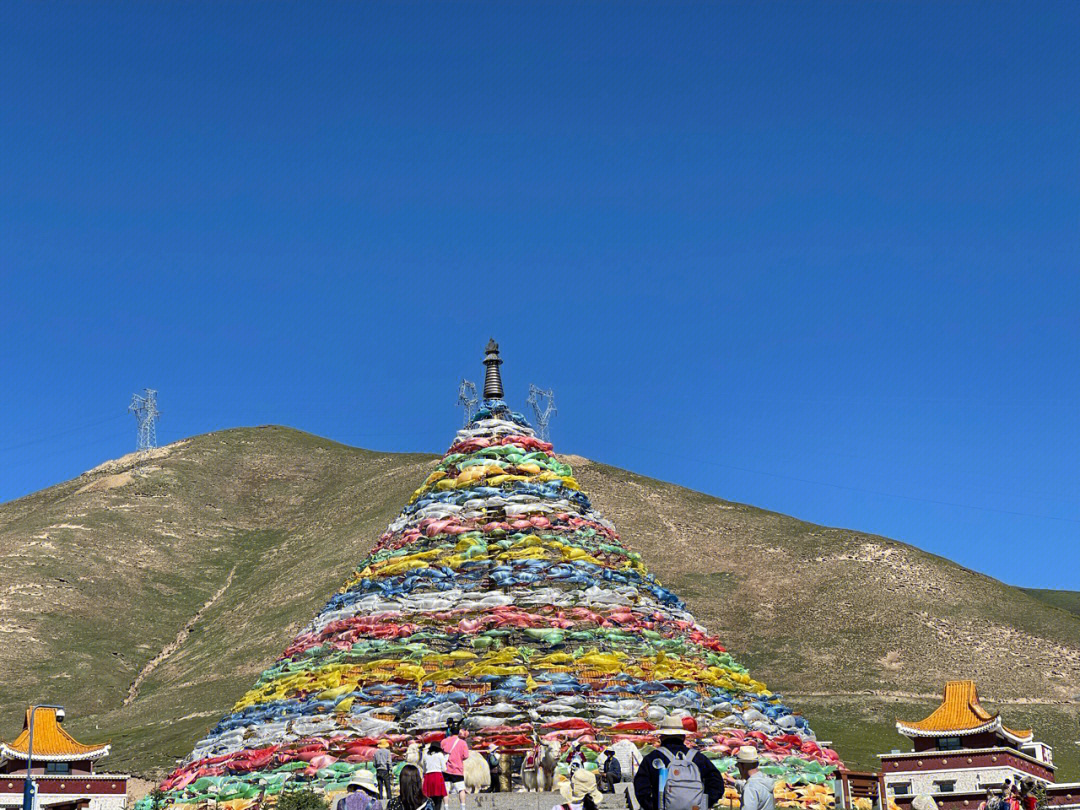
67, 432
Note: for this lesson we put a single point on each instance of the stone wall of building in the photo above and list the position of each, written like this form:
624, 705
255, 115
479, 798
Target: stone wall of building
966, 780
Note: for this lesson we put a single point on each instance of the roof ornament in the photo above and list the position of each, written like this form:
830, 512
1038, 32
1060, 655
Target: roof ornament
52, 743
493, 387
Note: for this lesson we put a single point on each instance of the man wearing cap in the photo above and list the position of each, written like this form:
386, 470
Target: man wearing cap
629, 758
756, 792
672, 743
384, 764
362, 793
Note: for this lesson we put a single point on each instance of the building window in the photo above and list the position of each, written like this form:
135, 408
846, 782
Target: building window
949, 744
57, 767
945, 785
901, 788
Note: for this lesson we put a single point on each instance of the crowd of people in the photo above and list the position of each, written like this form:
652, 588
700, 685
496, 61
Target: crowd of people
439, 773
1014, 795
672, 776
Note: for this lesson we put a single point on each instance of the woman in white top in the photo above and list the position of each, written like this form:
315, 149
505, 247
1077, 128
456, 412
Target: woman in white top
433, 762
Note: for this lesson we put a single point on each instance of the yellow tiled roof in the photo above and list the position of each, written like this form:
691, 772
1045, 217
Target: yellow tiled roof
50, 740
959, 712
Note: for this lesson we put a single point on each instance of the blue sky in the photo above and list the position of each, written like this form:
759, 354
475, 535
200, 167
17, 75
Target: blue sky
818, 258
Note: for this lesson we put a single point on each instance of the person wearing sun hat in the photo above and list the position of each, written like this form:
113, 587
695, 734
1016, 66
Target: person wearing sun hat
580, 792
384, 766
756, 793
673, 735
362, 793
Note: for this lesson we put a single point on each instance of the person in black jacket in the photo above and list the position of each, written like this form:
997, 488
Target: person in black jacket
647, 780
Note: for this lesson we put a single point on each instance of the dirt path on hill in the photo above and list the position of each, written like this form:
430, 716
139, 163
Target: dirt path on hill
174, 645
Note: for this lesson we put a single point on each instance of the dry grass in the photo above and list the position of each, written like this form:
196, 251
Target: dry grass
100, 574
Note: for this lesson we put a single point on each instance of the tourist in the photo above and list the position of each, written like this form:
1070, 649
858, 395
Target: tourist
989, 802
1028, 798
457, 751
384, 764
601, 765
580, 792
757, 789
611, 769
629, 758
495, 767
576, 758
434, 763
1011, 795
361, 793
673, 746
410, 793
1006, 794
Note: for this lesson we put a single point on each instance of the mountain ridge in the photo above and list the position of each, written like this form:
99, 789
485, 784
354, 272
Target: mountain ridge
239, 536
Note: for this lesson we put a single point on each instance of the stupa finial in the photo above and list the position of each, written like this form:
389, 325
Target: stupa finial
493, 388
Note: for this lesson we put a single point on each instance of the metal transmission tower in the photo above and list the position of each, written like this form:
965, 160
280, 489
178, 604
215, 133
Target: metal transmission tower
146, 414
467, 399
543, 405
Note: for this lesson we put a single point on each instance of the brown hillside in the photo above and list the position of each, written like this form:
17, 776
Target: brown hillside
147, 596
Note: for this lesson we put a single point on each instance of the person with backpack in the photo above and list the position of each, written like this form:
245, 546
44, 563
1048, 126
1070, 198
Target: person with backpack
672, 777
756, 793
494, 762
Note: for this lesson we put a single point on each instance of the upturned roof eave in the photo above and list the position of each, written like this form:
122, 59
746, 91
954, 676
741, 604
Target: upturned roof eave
7, 752
1019, 737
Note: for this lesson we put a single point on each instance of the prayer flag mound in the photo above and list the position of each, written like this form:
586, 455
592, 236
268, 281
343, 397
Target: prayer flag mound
498, 597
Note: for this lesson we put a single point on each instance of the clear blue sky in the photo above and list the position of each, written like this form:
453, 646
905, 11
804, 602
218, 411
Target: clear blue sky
821, 259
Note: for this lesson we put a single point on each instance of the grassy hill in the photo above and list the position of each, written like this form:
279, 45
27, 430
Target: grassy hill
1066, 600
147, 594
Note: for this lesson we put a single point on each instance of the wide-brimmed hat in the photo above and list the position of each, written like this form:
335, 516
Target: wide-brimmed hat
384, 744
747, 755
366, 781
580, 785
671, 726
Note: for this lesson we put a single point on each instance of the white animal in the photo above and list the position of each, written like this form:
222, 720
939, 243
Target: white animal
541, 776
477, 773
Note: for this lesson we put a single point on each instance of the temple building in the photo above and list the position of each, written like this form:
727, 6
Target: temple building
62, 767
960, 750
